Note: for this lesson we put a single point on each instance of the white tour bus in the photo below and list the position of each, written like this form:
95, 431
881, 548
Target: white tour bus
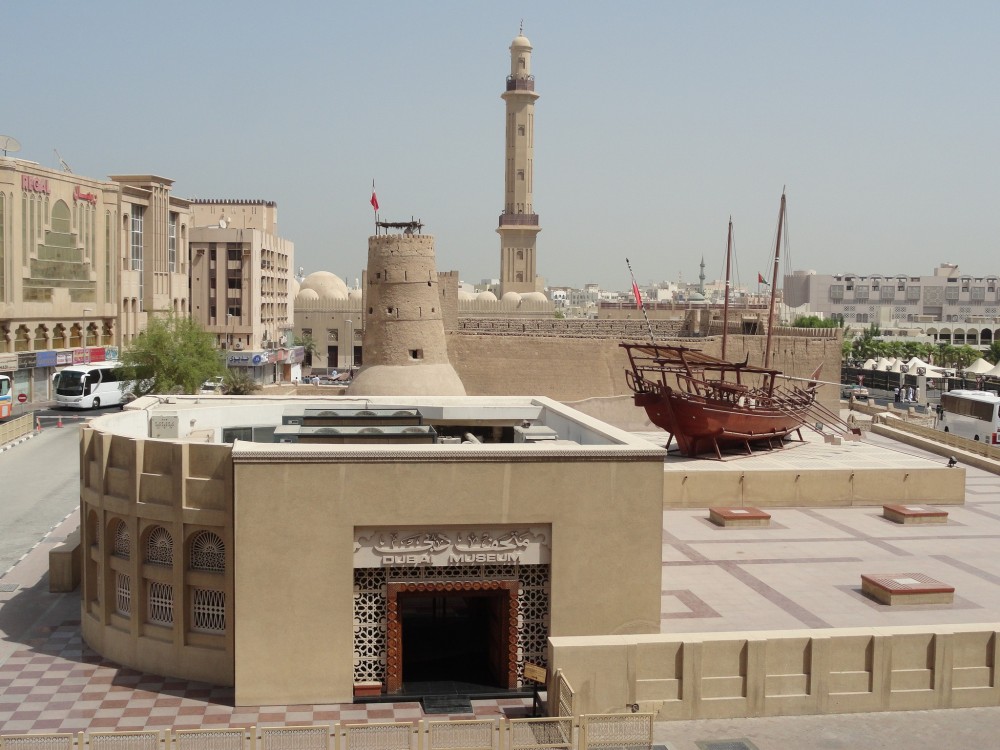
89, 386
971, 414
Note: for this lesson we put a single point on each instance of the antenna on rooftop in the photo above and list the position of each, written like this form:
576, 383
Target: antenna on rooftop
64, 165
9, 143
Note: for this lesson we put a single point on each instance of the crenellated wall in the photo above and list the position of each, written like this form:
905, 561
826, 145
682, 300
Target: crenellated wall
782, 673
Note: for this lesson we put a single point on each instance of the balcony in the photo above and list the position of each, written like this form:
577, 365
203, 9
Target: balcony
519, 220
521, 83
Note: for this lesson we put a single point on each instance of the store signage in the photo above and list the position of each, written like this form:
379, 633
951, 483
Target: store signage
111, 353
35, 184
96, 354
79, 195
79, 356
523, 545
64, 358
45, 359
8, 361
25, 360
239, 359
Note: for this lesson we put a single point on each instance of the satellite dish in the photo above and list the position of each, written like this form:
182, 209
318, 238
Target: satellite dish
223, 223
9, 143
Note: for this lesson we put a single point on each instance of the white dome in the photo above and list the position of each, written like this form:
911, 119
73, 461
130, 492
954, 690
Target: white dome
293, 290
464, 296
534, 297
511, 297
354, 294
326, 285
307, 295
487, 296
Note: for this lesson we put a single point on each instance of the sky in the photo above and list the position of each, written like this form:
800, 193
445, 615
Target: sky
657, 122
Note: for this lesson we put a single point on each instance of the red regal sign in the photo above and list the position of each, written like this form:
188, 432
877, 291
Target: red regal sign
35, 184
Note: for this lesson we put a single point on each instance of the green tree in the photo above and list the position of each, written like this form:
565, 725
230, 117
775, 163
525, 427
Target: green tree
993, 353
308, 344
965, 356
867, 345
173, 355
814, 321
239, 382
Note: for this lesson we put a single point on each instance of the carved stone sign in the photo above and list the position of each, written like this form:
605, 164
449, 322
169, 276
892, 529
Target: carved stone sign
163, 426
466, 545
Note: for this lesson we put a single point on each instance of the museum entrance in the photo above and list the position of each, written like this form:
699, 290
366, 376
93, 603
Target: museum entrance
456, 636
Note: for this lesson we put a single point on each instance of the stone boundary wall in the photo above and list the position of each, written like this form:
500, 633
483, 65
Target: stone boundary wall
620, 330
591, 364
783, 673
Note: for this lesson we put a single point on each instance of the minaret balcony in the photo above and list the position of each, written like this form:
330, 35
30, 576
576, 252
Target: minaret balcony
520, 83
519, 220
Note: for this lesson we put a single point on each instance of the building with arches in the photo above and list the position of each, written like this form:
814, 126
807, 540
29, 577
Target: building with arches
295, 548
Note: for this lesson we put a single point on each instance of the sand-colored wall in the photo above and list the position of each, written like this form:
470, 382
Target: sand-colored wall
184, 488
605, 517
782, 673
573, 369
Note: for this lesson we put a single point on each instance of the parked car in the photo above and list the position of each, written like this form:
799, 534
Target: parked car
860, 393
212, 385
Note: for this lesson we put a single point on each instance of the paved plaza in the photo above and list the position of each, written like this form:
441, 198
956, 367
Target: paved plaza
802, 572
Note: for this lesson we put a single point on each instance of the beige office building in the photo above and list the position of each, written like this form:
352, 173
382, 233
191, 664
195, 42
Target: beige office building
241, 275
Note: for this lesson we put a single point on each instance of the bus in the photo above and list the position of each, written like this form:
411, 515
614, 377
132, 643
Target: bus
971, 414
6, 397
89, 386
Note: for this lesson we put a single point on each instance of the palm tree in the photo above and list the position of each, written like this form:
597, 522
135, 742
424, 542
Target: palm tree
308, 344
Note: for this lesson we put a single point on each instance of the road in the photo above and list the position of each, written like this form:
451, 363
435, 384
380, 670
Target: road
39, 484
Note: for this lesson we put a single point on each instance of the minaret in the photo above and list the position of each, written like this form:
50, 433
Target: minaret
519, 228
406, 353
701, 277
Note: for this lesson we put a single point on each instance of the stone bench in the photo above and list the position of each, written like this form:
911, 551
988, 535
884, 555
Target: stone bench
737, 517
914, 514
906, 588
64, 565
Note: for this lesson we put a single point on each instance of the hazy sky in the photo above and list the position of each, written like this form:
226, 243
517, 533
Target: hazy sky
656, 122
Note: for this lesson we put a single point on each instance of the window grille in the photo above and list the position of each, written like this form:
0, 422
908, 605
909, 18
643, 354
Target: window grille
208, 552
123, 542
208, 611
161, 603
160, 547
123, 594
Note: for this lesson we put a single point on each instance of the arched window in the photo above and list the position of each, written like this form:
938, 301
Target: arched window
208, 552
123, 542
160, 547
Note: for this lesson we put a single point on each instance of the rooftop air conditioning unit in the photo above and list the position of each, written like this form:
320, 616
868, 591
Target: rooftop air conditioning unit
238, 346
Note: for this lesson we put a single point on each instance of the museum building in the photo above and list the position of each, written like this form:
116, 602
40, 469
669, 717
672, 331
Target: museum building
308, 551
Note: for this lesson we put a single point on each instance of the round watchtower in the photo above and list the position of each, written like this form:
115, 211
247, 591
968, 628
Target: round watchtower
404, 343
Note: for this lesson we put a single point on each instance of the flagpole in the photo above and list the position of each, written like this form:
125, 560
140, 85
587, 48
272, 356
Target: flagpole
642, 305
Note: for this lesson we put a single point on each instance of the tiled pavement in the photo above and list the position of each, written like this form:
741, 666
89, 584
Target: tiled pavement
803, 571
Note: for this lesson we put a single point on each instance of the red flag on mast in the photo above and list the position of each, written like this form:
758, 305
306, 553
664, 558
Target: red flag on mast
638, 297
374, 200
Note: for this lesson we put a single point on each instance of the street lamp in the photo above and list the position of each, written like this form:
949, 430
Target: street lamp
350, 348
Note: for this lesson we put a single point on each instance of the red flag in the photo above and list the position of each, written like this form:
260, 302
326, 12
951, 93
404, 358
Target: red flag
638, 297
374, 201
760, 280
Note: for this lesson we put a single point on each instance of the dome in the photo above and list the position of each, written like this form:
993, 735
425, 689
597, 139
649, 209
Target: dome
326, 285
696, 297
521, 41
355, 294
486, 297
511, 297
534, 297
307, 295
293, 288
464, 296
